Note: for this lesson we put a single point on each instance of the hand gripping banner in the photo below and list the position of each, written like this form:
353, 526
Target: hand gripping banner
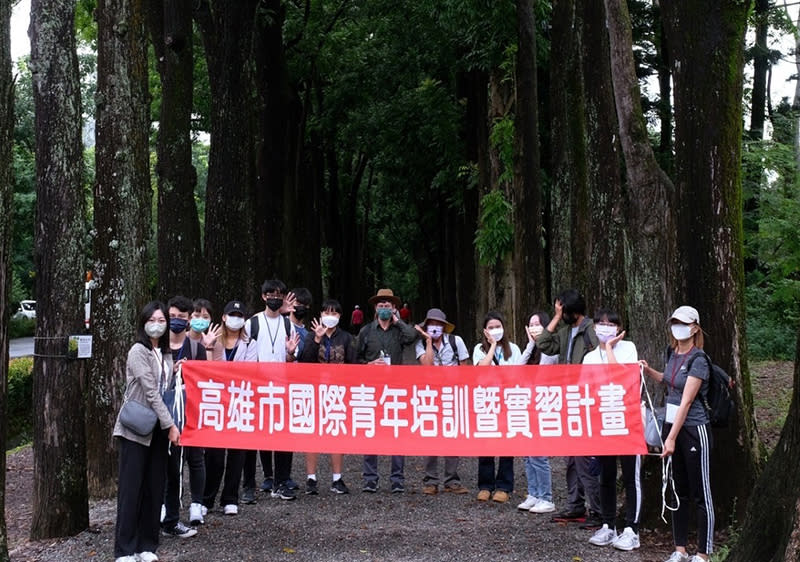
529, 410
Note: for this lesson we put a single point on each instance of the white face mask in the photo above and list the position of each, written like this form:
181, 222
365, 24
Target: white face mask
234, 323
435, 331
681, 331
330, 321
535, 330
605, 333
496, 333
155, 329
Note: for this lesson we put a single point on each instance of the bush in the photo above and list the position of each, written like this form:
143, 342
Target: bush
21, 327
20, 400
772, 321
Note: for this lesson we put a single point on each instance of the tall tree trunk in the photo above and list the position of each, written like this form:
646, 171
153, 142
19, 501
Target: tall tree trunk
60, 494
758, 99
122, 218
772, 517
6, 217
180, 268
707, 38
233, 264
529, 234
664, 155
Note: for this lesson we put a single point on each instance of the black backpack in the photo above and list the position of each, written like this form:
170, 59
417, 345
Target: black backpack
717, 398
254, 326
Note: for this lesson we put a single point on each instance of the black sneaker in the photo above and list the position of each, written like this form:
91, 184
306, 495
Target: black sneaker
370, 486
292, 485
249, 496
570, 517
284, 492
592, 522
339, 487
311, 487
267, 485
398, 487
178, 530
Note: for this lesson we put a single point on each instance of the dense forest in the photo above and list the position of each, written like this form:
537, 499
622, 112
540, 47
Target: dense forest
469, 154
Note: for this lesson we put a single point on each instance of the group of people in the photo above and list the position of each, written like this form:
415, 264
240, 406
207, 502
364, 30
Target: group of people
151, 465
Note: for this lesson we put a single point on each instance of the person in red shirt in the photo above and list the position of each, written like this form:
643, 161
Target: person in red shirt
405, 313
356, 319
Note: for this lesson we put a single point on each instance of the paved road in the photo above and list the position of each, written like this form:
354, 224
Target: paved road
20, 347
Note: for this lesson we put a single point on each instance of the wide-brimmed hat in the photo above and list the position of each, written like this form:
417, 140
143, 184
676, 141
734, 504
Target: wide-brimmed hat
385, 295
686, 314
437, 314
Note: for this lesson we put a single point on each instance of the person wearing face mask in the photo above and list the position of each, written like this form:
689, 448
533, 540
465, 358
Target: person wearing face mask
439, 346
613, 349
228, 462
537, 469
143, 458
571, 342
495, 349
381, 342
183, 348
687, 433
298, 316
327, 343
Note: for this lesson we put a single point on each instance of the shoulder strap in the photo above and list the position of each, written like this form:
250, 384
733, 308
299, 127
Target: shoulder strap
452, 339
254, 327
287, 326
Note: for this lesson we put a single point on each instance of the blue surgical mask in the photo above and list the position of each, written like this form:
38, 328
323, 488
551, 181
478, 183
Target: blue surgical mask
384, 313
200, 324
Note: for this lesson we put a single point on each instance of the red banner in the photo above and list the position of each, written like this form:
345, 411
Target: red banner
553, 410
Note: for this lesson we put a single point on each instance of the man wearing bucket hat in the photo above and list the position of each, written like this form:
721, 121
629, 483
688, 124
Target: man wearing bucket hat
381, 342
439, 346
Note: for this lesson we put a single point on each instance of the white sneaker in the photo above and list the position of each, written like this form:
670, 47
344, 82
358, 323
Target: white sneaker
543, 506
529, 502
677, 557
126, 559
203, 510
627, 540
231, 509
163, 513
146, 556
196, 514
603, 536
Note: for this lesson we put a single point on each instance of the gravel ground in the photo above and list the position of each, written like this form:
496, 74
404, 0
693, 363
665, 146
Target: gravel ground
353, 527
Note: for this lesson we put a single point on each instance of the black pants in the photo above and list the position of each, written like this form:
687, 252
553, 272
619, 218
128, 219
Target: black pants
192, 456
218, 462
280, 471
502, 480
632, 481
141, 489
691, 470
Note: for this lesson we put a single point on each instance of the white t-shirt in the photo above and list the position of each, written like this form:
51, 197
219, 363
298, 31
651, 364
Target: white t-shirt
516, 356
271, 342
445, 355
624, 352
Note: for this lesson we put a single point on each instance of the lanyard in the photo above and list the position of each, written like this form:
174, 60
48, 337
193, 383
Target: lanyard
273, 339
230, 353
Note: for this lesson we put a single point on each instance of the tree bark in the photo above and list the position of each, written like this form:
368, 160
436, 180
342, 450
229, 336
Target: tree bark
707, 38
529, 235
770, 527
60, 494
122, 217
234, 269
179, 254
6, 226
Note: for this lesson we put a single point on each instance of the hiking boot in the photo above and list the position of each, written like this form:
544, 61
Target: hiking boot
603, 536
284, 492
249, 496
628, 540
311, 487
543, 506
570, 517
529, 502
677, 557
339, 487
456, 489
500, 496
430, 490
196, 514
178, 530
398, 488
231, 509
484, 495
370, 486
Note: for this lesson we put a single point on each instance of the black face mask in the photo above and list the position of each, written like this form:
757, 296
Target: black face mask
274, 304
569, 317
300, 312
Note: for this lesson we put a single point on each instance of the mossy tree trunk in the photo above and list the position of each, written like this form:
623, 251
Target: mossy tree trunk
60, 493
180, 262
6, 214
232, 267
707, 41
122, 219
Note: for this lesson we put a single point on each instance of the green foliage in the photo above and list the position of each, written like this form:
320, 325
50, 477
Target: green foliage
21, 327
772, 318
495, 236
502, 139
20, 400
